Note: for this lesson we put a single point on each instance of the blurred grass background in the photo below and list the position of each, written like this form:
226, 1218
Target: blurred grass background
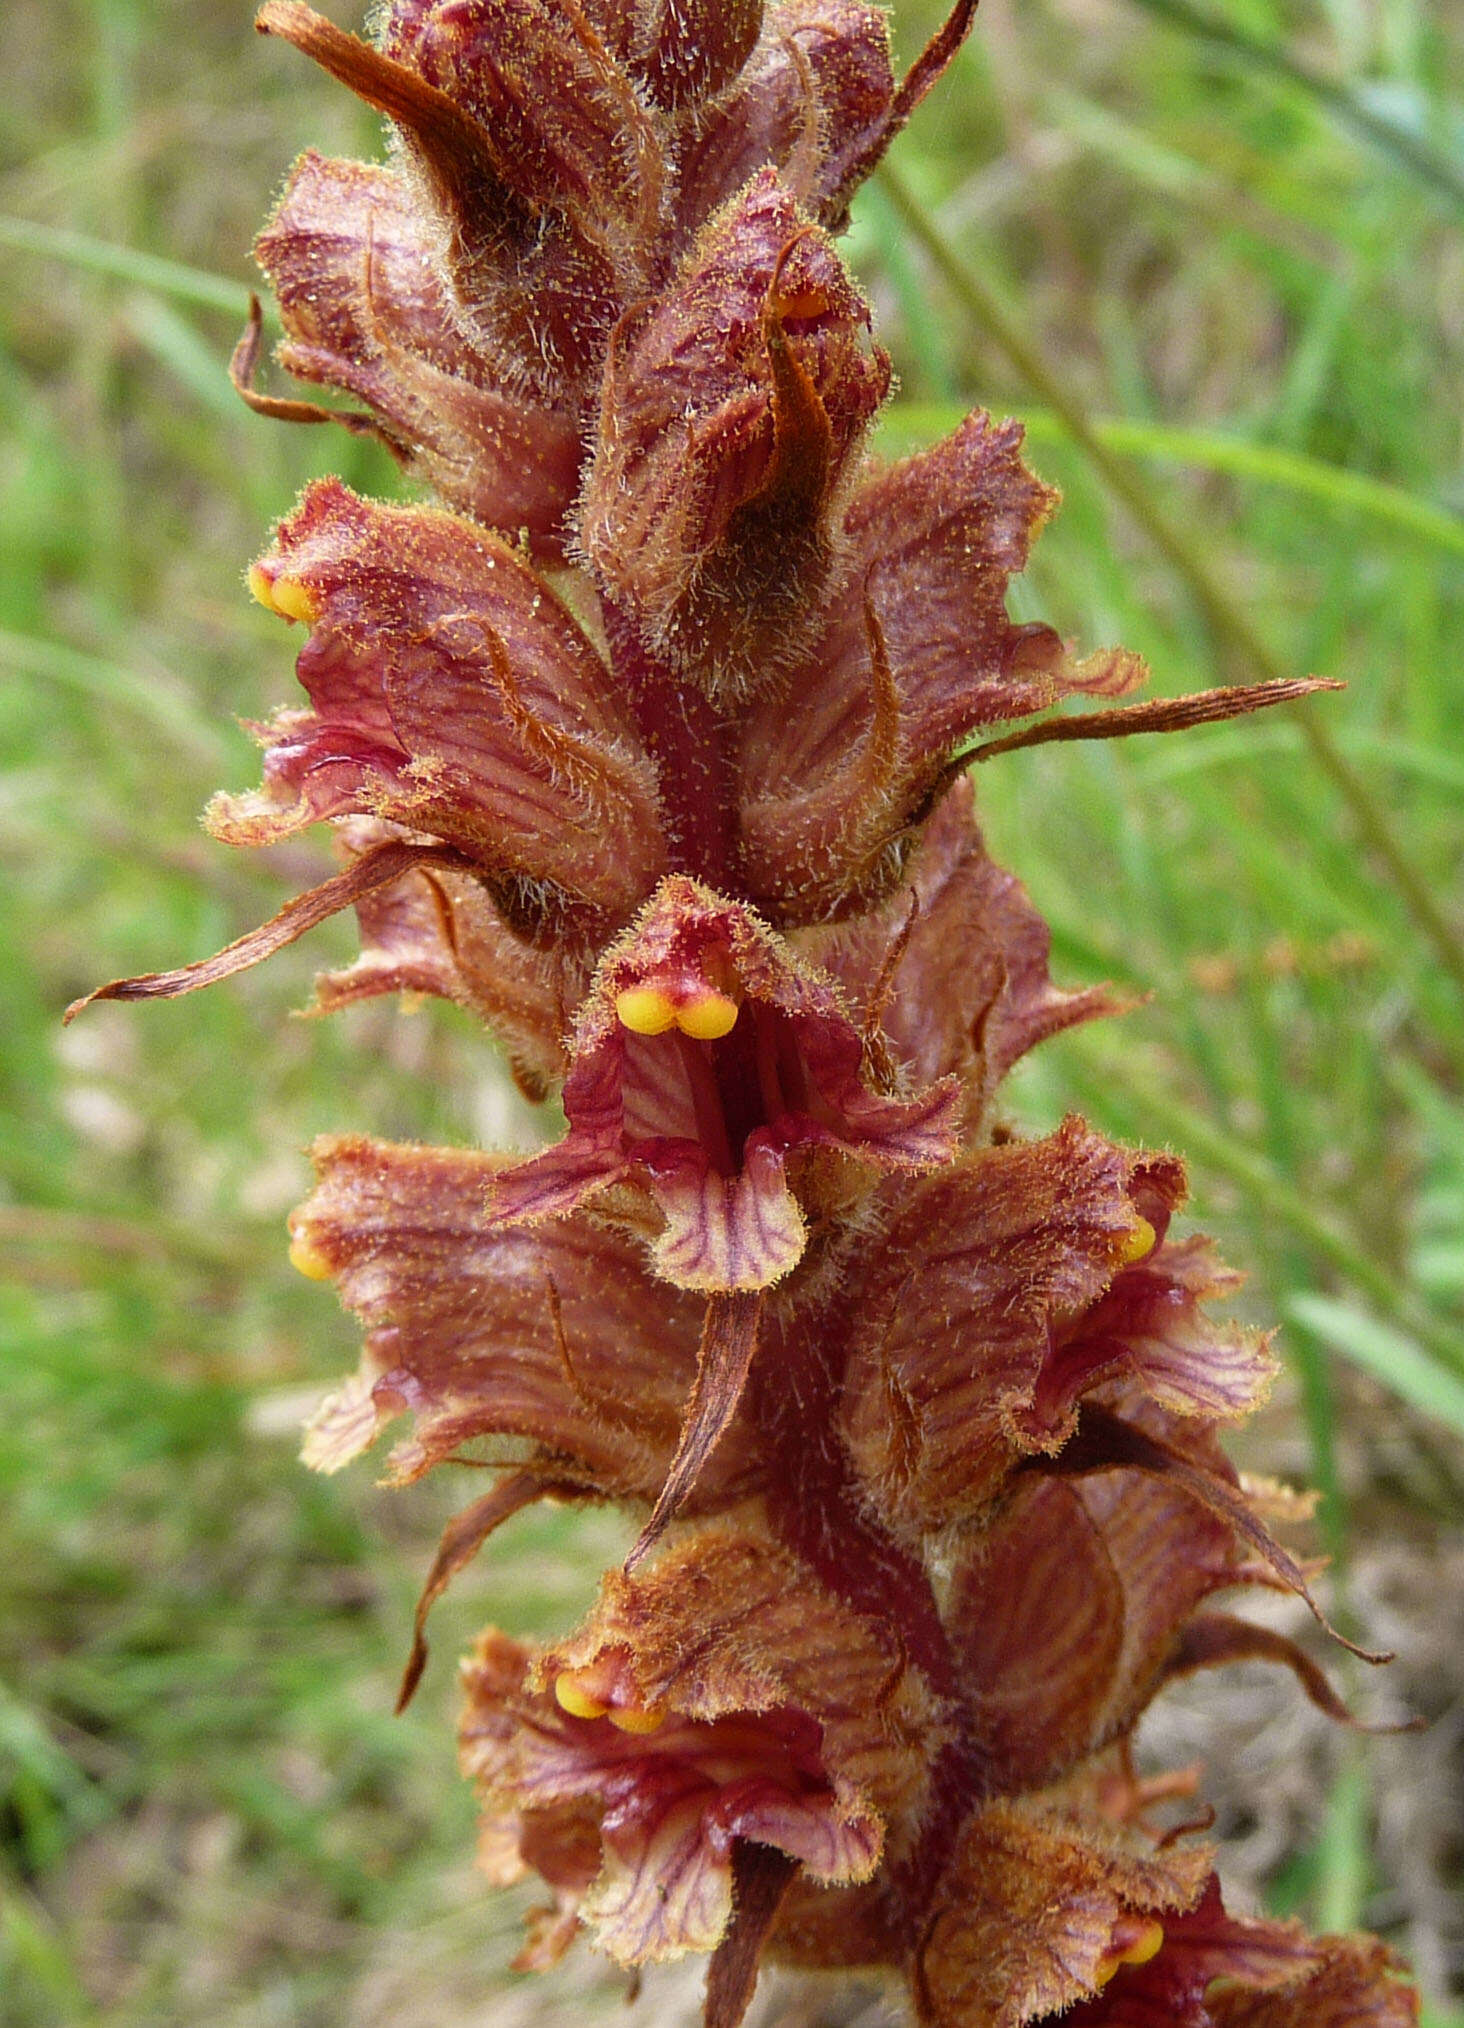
1215, 258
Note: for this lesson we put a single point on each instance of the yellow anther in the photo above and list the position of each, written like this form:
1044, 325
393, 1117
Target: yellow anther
309, 1259
1145, 1945
295, 600
645, 1010
575, 1700
1133, 1245
283, 595
707, 1018
635, 1718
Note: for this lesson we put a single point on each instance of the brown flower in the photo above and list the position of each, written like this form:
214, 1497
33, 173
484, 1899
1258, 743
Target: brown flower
1040, 1259
914, 652
1215, 1971
719, 1698
1040, 1906
555, 1337
720, 1087
453, 693
732, 407
367, 309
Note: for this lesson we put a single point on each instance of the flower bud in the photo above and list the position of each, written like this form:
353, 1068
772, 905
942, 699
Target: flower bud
367, 309
734, 405
689, 50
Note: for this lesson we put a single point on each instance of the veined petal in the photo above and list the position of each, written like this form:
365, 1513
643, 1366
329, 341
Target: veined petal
720, 1695
728, 1232
1149, 1327
366, 308
1038, 1909
564, 123
557, 1338
453, 694
1065, 1609
1121, 1431
953, 968
722, 1085
1358, 1985
1215, 1970
1009, 1249
811, 100
917, 651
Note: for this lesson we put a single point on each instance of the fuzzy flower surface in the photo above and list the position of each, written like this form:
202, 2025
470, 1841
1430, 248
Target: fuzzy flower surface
643, 735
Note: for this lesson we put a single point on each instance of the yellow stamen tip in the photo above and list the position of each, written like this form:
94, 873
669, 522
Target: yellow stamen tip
645, 1010
632, 1718
707, 1019
1146, 1945
283, 595
308, 1259
576, 1701
295, 600
1135, 1243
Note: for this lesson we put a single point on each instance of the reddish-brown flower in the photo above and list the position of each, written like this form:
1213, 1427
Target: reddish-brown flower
732, 408
452, 693
1040, 1260
367, 309
721, 1089
647, 746
914, 652
719, 1699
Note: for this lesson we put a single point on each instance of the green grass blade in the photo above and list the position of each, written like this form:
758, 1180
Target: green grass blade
1343, 1862
166, 708
1406, 148
910, 424
124, 264
1389, 1355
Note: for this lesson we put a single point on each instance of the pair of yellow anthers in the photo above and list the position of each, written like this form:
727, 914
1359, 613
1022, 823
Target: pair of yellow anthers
571, 1696
650, 1010
283, 595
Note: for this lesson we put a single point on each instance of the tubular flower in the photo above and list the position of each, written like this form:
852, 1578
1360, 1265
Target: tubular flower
708, 1062
647, 743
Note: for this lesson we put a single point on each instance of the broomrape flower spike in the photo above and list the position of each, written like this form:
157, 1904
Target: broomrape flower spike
646, 739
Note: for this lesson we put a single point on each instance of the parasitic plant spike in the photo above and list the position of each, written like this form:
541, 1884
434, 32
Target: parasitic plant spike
648, 741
